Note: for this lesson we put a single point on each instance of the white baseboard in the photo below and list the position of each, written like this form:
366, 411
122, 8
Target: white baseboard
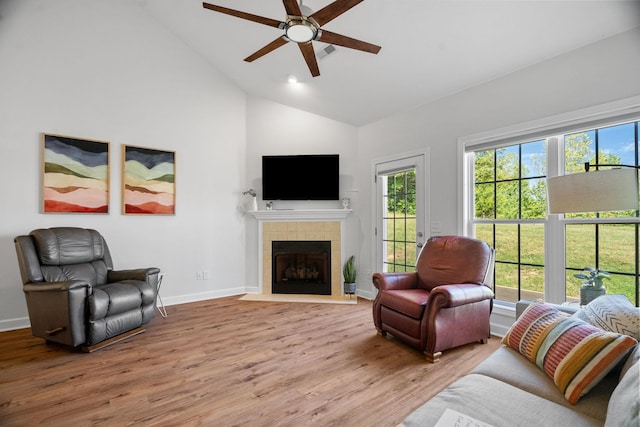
366, 294
201, 296
498, 329
13, 324
501, 319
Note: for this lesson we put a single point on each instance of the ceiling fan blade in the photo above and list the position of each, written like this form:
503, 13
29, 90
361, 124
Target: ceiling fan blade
340, 40
244, 15
292, 7
310, 57
333, 10
280, 41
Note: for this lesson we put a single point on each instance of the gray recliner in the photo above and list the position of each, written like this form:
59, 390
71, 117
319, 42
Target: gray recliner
74, 296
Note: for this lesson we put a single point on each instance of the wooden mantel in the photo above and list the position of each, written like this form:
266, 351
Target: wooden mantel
300, 214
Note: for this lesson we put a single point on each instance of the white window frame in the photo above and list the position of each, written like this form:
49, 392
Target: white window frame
599, 116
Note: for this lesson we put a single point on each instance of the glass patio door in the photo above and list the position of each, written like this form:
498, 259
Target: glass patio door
400, 212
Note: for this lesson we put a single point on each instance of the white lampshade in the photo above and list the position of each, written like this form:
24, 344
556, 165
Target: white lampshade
597, 191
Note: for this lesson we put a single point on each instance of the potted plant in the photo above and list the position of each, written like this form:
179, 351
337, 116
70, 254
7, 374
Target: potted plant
592, 286
349, 273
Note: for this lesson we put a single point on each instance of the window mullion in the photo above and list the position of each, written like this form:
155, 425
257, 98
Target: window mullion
554, 232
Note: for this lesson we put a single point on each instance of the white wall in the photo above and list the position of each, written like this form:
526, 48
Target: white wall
605, 71
105, 70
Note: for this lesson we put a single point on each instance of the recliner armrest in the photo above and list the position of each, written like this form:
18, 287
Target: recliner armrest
57, 310
387, 281
135, 274
54, 286
457, 295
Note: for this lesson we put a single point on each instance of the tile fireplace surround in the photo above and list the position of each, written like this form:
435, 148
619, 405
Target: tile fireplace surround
283, 225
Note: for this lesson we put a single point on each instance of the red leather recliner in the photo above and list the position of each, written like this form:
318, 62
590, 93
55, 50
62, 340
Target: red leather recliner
445, 303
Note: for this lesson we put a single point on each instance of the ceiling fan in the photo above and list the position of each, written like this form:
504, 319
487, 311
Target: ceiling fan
303, 29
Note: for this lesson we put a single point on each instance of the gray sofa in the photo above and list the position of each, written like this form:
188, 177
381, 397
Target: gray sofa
508, 390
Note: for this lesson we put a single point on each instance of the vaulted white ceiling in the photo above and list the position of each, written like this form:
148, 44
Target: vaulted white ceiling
430, 49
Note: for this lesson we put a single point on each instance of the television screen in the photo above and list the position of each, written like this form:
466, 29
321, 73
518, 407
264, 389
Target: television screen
301, 177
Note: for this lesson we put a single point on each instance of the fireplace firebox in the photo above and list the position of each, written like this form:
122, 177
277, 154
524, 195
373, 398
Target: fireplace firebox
301, 267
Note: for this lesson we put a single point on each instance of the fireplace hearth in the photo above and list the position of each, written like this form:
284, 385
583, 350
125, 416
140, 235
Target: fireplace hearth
301, 267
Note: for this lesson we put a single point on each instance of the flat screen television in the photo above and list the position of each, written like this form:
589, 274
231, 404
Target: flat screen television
301, 177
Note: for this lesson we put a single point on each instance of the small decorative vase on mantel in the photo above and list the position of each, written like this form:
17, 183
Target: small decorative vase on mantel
593, 286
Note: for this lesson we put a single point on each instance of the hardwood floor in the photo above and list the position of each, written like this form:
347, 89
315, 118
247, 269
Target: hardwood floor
227, 362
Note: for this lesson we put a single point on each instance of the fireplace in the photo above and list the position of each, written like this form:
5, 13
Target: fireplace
325, 225
301, 267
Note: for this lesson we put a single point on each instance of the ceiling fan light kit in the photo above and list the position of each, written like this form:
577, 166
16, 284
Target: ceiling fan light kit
303, 29
299, 29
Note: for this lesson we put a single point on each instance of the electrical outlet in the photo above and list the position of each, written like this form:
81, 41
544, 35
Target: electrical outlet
205, 275
199, 275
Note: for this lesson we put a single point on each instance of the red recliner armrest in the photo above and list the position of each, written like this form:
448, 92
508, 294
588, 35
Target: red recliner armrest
387, 281
456, 295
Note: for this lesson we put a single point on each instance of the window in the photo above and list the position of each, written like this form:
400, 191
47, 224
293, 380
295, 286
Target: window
510, 204
399, 221
537, 254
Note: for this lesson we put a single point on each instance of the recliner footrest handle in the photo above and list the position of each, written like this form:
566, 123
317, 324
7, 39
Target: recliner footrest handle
55, 330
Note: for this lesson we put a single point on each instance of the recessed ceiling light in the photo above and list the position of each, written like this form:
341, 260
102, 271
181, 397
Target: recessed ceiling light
292, 79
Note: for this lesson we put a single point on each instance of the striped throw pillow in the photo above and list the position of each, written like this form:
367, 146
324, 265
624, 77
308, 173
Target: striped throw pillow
574, 354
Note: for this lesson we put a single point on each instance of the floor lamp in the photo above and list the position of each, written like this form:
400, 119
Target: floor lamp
595, 191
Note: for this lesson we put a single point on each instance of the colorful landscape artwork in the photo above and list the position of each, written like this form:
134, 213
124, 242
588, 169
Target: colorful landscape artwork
75, 175
148, 181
